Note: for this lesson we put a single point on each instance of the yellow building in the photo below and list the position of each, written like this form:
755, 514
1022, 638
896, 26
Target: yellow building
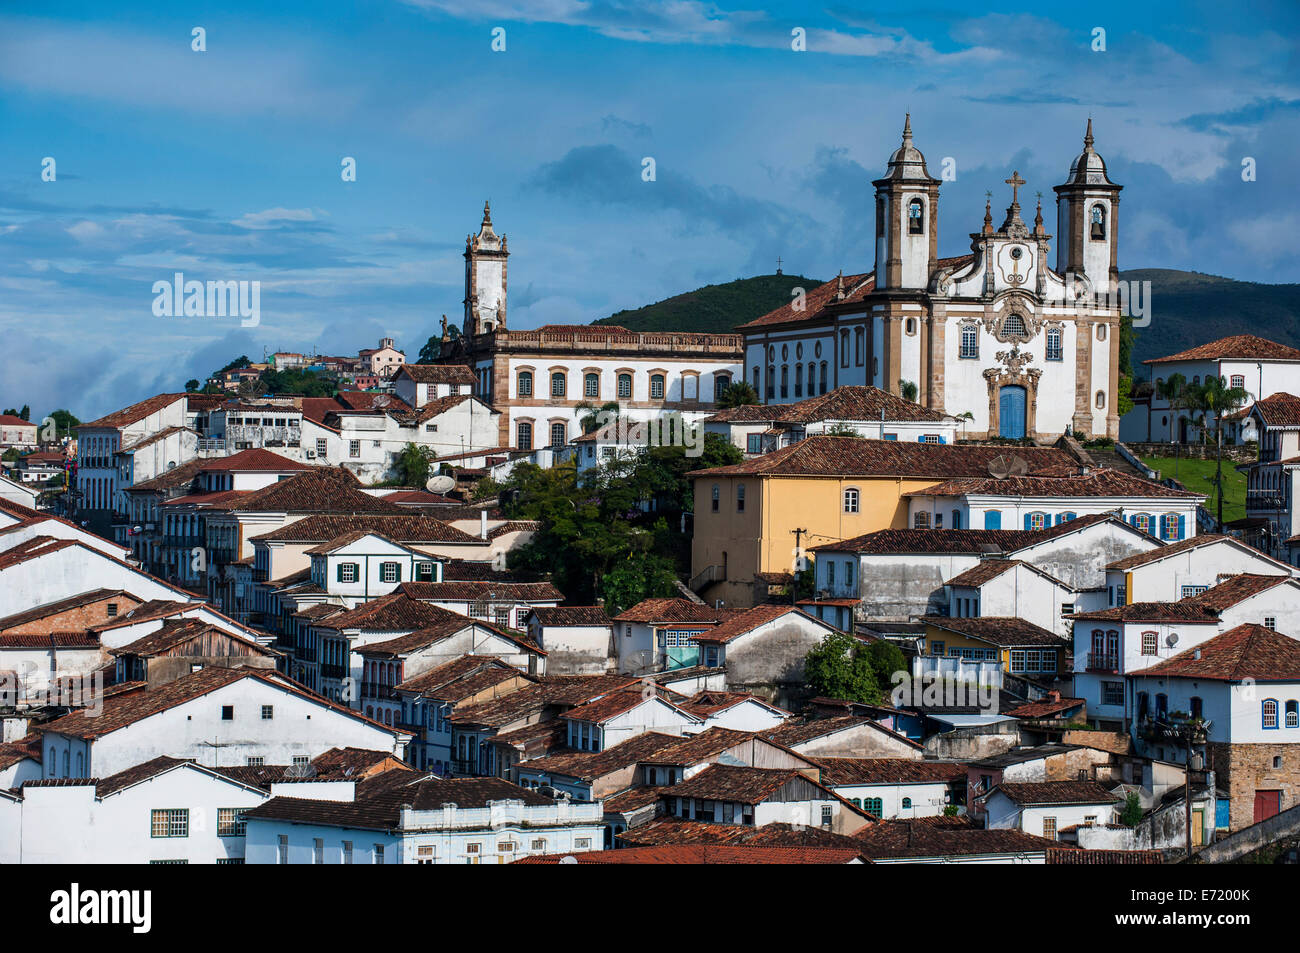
753, 520
1020, 647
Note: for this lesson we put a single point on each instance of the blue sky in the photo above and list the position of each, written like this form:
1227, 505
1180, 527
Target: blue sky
225, 164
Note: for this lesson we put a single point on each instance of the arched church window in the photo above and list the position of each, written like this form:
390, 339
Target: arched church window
910, 325
1098, 222
859, 346
771, 381
591, 385
757, 386
825, 374
1013, 324
785, 380
915, 224
1054, 350
1101, 332
844, 348
1101, 400
798, 380
812, 378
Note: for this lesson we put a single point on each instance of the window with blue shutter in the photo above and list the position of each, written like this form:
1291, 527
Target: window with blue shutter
992, 519
1026, 521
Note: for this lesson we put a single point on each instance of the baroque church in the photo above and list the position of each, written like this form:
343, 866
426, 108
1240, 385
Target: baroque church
999, 338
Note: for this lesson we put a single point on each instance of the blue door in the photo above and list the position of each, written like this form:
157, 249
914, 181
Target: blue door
1011, 411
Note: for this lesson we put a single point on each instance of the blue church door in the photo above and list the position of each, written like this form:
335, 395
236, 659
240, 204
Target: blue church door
1011, 411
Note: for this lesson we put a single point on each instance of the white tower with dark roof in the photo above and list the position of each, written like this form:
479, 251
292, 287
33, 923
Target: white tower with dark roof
485, 278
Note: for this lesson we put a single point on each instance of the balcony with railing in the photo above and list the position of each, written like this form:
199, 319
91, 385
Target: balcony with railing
1104, 662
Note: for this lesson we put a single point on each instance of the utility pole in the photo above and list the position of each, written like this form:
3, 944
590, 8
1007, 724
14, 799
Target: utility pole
798, 556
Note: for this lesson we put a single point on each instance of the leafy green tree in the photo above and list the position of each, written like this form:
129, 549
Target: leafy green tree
64, 421
639, 576
413, 465
192, 385
838, 668
1131, 814
592, 416
908, 390
737, 394
886, 658
843, 429
431, 353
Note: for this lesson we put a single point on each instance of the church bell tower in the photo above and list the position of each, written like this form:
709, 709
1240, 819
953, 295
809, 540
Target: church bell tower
485, 278
907, 219
1087, 207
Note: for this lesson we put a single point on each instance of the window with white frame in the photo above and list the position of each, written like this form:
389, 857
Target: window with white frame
851, 497
390, 572
1150, 643
170, 822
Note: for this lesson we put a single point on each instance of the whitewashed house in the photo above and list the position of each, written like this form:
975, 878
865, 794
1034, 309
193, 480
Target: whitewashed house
162, 811
14, 491
619, 716
578, 639
360, 566
737, 711
730, 794
506, 604
1012, 587
896, 787
400, 818
215, 716
1184, 569
763, 649
1044, 808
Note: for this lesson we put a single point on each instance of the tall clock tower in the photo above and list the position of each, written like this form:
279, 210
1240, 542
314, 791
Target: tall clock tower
485, 278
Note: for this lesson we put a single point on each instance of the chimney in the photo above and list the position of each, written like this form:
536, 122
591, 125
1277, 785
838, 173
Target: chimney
482, 525
1054, 696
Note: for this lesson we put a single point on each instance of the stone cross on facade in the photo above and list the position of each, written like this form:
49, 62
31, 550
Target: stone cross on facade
1015, 182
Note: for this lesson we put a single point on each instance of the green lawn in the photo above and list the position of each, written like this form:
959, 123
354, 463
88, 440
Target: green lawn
1198, 476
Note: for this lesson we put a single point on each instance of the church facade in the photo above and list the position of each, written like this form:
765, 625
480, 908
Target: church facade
1001, 338
544, 380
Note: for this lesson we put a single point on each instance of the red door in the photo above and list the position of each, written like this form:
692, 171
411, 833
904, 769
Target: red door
1267, 803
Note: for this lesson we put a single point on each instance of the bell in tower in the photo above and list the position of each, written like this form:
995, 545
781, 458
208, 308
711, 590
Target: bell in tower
1087, 207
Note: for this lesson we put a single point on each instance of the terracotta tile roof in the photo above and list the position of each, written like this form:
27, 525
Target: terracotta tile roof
347, 539
136, 702
378, 801
551, 694
1278, 410
12, 752
1101, 482
944, 837
668, 610
1246, 651
1003, 631
176, 632
436, 631
1028, 793
600, 710
823, 455
688, 750
62, 605
394, 523
33, 548
182, 475
674, 830
590, 765
704, 854
844, 771
438, 373
463, 678
150, 439
420, 498
747, 620
349, 762
796, 733
133, 414
50, 640
1234, 590
145, 611
1238, 346
1169, 549
1185, 612
725, 782
1044, 709
10, 420
255, 460
1074, 855
849, 402
571, 615
816, 301
140, 773
488, 590
396, 613
983, 571
317, 490
708, 703
974, 542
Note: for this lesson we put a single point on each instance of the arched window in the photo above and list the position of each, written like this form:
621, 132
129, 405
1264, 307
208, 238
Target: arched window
1268, 710
850, 500
1292, 715
844, 348
625, 384
785, 380
1100, 400
559, 384
771, 381
1141, 521
758, 387
1098, 230
812, 379
909, 326
1013, 324
798, 380
907, 803
1169, 527
873, 806
656, 387
559, 432
717, 495
525, 387
591, 385
1101, 332
1054, 350
524, 435
956, 519
970, 342
859, 346
825, 375
720, 383
921, 520
915, 217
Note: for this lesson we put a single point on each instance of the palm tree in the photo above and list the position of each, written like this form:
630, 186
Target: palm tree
737, 394
591, 415
1217, 398
965, 417
1174, 390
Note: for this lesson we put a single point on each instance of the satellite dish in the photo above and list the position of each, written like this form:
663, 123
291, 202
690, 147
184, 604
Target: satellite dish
1171, 639
381, 400
440, 483
1003, 466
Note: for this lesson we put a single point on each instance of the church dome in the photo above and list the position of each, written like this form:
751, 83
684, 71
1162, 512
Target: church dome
907, 163
1089, 167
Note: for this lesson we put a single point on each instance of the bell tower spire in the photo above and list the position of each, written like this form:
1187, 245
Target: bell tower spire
1087, 209
485, 278
907, 217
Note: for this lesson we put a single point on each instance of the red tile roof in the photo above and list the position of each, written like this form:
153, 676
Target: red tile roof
438, 373
255, 460
669, 610
747, 620
133, 414
571, 615
1236, 589
1170, 549
63, 605
1027, 793
1003, 631
1184, 612
402, 527
1278, 410
850, 402
974, 542
470, 590
704, 854
1247, 651
1239, 347
1101, 482
815, 304
823, 455
944, 837
837, 772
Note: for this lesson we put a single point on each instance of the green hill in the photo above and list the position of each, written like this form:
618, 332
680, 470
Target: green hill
1187, 308
714, 307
